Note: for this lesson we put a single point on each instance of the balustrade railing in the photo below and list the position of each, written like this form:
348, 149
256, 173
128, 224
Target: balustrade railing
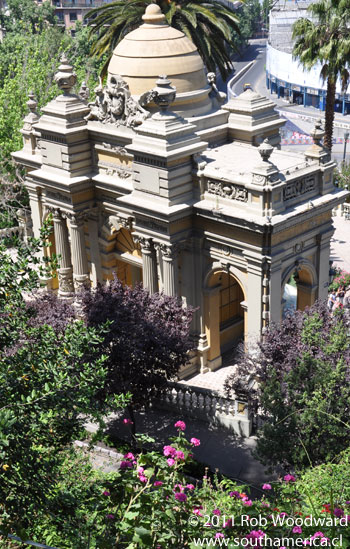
10, 232
346, 211
209, 406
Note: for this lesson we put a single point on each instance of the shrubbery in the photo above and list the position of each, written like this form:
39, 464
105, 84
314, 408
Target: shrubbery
299, 383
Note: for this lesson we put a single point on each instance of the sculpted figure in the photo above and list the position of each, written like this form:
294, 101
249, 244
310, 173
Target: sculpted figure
215, 94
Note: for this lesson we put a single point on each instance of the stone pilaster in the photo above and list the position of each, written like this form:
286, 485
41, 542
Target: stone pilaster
149, 264
169, 273
65, 271
79, 259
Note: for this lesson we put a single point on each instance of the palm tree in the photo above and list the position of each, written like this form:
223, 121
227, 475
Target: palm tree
325, 38
208, 23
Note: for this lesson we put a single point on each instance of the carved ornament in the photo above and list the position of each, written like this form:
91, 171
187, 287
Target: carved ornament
228, 190
115, 105
299, 187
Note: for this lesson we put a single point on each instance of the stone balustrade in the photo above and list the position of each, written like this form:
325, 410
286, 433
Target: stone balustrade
208, 406
346, 211
10, 232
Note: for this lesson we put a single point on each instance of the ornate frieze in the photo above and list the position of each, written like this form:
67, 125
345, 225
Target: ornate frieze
115, 105
120, 151
149, 224
299, 187
228, 190
59, 197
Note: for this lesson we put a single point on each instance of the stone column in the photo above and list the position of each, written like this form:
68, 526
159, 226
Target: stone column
65, 271
169, 273
80, 265
149, 265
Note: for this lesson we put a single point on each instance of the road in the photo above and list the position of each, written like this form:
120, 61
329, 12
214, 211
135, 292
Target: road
256, 77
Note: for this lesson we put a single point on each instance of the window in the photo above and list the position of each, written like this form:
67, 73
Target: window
231, 296
60, 16
73, 16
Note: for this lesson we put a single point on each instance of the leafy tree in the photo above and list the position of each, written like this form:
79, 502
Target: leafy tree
325, 39
299, 382
267, 5
50, 372
249, 18
26, 15
28, 62
208, 23
147, 340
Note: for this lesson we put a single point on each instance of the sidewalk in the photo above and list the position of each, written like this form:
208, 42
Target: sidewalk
219, 449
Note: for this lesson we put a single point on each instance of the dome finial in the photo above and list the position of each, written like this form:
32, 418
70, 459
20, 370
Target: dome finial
153, 14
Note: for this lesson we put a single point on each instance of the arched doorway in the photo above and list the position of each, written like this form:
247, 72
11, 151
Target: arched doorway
299, 288
129, 261
224, 314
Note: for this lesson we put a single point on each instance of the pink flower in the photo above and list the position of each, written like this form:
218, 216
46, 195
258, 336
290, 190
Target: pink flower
217, 512
197, 511
169, 451
266, 487
190, 486
128, 421
110, 516
195, 441
170, 462
289, 478
247, 502
178, 486
140, 469
338, 512
181, 425
283, 514
129, 455
234, 494
106, 493
125, 464
297, 530
180, 496
143, 478
228, 524
158, 483
219, 535
180, 455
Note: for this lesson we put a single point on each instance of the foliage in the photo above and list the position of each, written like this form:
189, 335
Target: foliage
249, 18
209, 24
147, 340
265, 10
23, 16
342, 176
342, 279
28, 62
325, 38
299, 381
149, 503
50, 371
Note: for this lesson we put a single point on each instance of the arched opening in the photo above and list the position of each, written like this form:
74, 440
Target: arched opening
231, 311
299, 290
224, 315
129, 261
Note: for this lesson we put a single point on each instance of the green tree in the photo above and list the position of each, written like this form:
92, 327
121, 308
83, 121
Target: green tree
325, 39
208, 23
26, 15
28, 62
50, 372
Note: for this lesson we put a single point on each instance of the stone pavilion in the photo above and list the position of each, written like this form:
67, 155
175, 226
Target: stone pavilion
161, 181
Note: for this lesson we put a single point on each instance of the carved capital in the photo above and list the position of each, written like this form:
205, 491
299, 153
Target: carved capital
168, 252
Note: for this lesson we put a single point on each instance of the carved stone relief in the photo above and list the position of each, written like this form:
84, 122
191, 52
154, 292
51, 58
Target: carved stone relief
228, 190
115, 105
299, 187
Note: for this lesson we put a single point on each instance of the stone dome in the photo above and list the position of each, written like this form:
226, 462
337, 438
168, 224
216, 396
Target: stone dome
155, 49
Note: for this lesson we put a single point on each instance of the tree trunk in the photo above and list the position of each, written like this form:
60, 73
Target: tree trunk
329, 114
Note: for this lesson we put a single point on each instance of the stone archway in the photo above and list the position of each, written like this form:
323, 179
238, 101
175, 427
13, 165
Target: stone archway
224, 314
302, 276
120, 253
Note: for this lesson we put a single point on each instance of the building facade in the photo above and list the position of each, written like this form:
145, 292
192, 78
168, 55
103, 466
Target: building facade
68, 12
158, 180
284, 75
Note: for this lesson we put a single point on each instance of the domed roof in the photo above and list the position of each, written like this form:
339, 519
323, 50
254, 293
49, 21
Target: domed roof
154, 49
